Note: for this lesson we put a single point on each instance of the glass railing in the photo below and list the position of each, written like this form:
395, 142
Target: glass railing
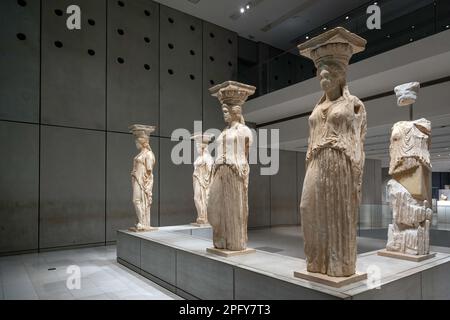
373, 223
402, 22
374, 216
441, 217
375, 219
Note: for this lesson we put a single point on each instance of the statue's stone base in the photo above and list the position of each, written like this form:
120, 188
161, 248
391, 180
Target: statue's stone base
229, 253
335, 282
200, 225
405, 256
146, 229
179, 262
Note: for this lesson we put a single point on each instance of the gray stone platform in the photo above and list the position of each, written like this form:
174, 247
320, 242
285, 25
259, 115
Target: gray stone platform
176, 258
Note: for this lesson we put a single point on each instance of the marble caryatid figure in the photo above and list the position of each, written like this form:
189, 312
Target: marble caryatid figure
228, 197
409, 188
142, 176
335, 158
202, 176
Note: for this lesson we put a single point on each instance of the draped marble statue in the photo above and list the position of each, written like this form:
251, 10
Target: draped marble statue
202, 177
142, 176
335, 159
228, 197
409, 190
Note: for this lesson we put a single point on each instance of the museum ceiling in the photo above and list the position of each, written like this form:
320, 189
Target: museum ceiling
282, 23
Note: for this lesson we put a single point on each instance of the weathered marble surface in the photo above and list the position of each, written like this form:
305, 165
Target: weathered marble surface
228, 198
335, 158
407, 93
409, 190
202, 177
142, 176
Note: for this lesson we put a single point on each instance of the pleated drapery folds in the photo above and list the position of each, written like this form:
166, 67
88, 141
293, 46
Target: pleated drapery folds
329, 208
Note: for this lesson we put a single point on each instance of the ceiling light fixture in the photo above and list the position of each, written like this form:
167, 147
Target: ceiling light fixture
242, 10
307, 37
347, 17
447, 26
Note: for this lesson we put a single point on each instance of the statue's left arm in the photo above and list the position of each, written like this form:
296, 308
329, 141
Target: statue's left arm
360, 130
248, 141
149, 162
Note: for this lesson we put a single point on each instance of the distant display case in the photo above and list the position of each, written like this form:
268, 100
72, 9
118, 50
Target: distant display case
443, 210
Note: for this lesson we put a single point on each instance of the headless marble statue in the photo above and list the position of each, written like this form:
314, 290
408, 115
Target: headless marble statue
409, 190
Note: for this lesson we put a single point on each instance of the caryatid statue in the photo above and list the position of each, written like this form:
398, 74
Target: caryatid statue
335, 158
202, 176
228, 197
142, 176
409, 189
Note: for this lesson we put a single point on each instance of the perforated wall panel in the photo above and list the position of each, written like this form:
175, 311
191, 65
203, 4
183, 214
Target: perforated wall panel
180, 70
279, 72
133, 61
19, 63
133, 64
219, 65
74, 65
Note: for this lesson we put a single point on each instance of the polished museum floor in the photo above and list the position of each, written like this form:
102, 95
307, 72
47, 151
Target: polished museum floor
28, 277
43, 276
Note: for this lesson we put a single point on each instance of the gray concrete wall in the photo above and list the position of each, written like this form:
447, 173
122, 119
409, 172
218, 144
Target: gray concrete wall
371, 188
258, 198
284, 191
67, 99
274, 200
19, 186
20, 45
